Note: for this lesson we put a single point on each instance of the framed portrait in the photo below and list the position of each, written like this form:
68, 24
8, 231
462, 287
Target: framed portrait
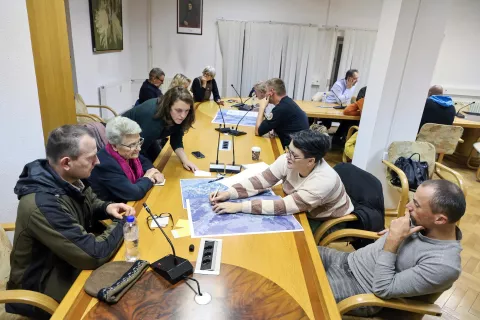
190, 16
106, 25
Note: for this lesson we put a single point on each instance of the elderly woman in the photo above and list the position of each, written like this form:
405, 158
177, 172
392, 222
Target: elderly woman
180, 80
309, 182
171, 115
205, 85
123, 173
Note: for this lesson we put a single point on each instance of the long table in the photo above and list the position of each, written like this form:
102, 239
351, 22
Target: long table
287, 261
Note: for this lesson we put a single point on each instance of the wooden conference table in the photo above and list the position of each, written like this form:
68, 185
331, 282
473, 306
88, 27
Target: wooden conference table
260, 274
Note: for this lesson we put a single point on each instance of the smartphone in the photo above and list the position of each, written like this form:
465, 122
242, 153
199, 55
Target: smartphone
198, 154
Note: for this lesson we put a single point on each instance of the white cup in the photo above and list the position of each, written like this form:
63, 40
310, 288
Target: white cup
256, 153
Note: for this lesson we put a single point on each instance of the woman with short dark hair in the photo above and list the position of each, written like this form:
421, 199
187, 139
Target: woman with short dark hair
171, 115
309, 182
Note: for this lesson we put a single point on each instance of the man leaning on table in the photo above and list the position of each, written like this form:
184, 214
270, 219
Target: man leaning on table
419, 255
57, 215
286, 117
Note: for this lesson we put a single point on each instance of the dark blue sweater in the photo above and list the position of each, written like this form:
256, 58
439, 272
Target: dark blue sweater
148, 91
110, 183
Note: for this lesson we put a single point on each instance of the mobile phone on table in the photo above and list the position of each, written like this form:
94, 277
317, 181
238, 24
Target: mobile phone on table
198, 154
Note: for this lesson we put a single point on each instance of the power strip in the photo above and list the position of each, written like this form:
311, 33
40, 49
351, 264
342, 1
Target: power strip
209, 257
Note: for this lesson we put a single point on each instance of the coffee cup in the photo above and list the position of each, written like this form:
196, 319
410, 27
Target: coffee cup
256, 153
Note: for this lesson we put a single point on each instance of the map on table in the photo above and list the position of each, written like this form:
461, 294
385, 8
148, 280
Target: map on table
206, 223
233, 116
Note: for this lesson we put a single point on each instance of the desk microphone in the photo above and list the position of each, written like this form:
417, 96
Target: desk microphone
341, 104
220, 129
233, 168
236, 132
459, 115
171, 267
217, 167
237, 105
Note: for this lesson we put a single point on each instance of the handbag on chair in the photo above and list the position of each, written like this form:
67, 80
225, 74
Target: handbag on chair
416, 171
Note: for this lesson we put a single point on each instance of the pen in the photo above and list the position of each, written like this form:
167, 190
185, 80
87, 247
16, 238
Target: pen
216, 179
215, 195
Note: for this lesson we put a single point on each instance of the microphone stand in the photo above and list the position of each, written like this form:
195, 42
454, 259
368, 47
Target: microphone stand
341, 104
220, 129
217, 167
237, 105
171, 267
233, 168
460, 115
235, 132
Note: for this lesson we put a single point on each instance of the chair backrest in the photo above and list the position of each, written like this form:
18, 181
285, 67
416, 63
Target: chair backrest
5, 249
99, 132
81, 108
426, 150
444, 137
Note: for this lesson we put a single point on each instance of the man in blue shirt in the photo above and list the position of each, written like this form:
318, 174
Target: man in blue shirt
342, 90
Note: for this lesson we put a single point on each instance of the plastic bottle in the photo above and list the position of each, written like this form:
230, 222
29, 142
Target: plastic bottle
324, 97
130, 235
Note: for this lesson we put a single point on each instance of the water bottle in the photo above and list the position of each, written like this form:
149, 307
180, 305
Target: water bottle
324, 98
130, 234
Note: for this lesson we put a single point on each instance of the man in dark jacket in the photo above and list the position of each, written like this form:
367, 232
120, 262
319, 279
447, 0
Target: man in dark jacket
151, 87
56, 214
438, 109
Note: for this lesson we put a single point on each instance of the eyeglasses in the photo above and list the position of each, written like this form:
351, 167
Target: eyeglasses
134, 145
162, 215
291, 154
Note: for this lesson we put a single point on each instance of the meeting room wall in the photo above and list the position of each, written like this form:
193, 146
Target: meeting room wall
20, 124
189, 54
92, 70
458, 68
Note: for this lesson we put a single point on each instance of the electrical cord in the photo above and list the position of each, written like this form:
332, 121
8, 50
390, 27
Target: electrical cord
198, 284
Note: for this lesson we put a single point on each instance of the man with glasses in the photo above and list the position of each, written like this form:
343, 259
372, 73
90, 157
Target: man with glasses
151, 87
123, 173
56, 218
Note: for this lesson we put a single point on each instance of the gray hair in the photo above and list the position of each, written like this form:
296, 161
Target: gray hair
260, 86
65, 142
156, 73
119, 127
277, 85
209, 71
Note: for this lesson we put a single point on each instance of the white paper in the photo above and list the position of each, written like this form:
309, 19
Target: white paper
200, 173
241, 113
162, 221
160, 183
250, 171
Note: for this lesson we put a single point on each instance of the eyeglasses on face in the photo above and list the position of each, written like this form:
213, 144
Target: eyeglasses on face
134, 145
292, 155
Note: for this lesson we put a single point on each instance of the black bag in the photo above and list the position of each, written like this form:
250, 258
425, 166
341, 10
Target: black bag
416, 171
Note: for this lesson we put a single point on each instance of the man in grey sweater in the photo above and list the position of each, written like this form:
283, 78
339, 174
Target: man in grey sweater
418, 255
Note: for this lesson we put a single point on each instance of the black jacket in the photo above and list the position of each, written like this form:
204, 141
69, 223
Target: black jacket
366, 193
148, 91
199, 92
436, 113
110, 183
53, 238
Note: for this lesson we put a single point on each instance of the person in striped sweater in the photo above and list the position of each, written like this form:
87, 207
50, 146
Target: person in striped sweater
310, 184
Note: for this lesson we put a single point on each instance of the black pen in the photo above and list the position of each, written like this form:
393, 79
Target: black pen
216, 179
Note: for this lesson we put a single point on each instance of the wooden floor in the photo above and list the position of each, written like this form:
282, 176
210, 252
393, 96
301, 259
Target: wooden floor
462, 301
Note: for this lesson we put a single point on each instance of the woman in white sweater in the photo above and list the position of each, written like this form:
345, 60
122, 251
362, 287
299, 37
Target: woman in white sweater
310, 184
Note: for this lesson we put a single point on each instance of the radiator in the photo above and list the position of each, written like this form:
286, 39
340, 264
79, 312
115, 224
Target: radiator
117, 96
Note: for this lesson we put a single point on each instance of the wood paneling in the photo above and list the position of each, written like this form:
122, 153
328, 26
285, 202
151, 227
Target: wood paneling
51, 55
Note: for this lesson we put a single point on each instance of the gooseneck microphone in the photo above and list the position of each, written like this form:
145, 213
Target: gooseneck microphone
170, 267
237, 105
217, 167
236, 132
341, 104
460, 115
220, 129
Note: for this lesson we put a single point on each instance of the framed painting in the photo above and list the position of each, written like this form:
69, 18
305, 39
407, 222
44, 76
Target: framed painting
190, 16
106, 25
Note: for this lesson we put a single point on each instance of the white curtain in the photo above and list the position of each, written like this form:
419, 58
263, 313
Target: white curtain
262, 53
357, 54
326, 40
231, 36
298, 60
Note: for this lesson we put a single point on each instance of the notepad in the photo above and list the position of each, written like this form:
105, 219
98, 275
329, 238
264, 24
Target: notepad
182, 223
160, 183
182, 232
200, 173
162, 221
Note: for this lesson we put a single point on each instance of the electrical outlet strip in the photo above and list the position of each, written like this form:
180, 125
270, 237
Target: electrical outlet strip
209, 257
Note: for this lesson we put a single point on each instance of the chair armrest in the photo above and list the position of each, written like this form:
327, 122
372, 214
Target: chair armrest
404, 185
103, 107
369, 299
460, 140
93, 117
350, 132
330, 223
8, 226
458, 177
356, 233
32, 298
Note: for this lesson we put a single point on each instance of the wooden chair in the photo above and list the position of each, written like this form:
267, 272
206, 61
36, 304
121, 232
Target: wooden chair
412, 307
475, 148
427, 153
444, 138
82, 111
351, 130
33, 298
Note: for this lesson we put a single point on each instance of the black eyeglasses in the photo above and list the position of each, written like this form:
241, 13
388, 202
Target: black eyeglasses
291, 154
162, 215
135, 145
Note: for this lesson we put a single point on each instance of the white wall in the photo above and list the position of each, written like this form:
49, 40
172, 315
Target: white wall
458, 66
189, 54
93, 70
20, 125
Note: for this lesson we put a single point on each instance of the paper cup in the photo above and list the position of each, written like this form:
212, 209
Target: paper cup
256, 153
